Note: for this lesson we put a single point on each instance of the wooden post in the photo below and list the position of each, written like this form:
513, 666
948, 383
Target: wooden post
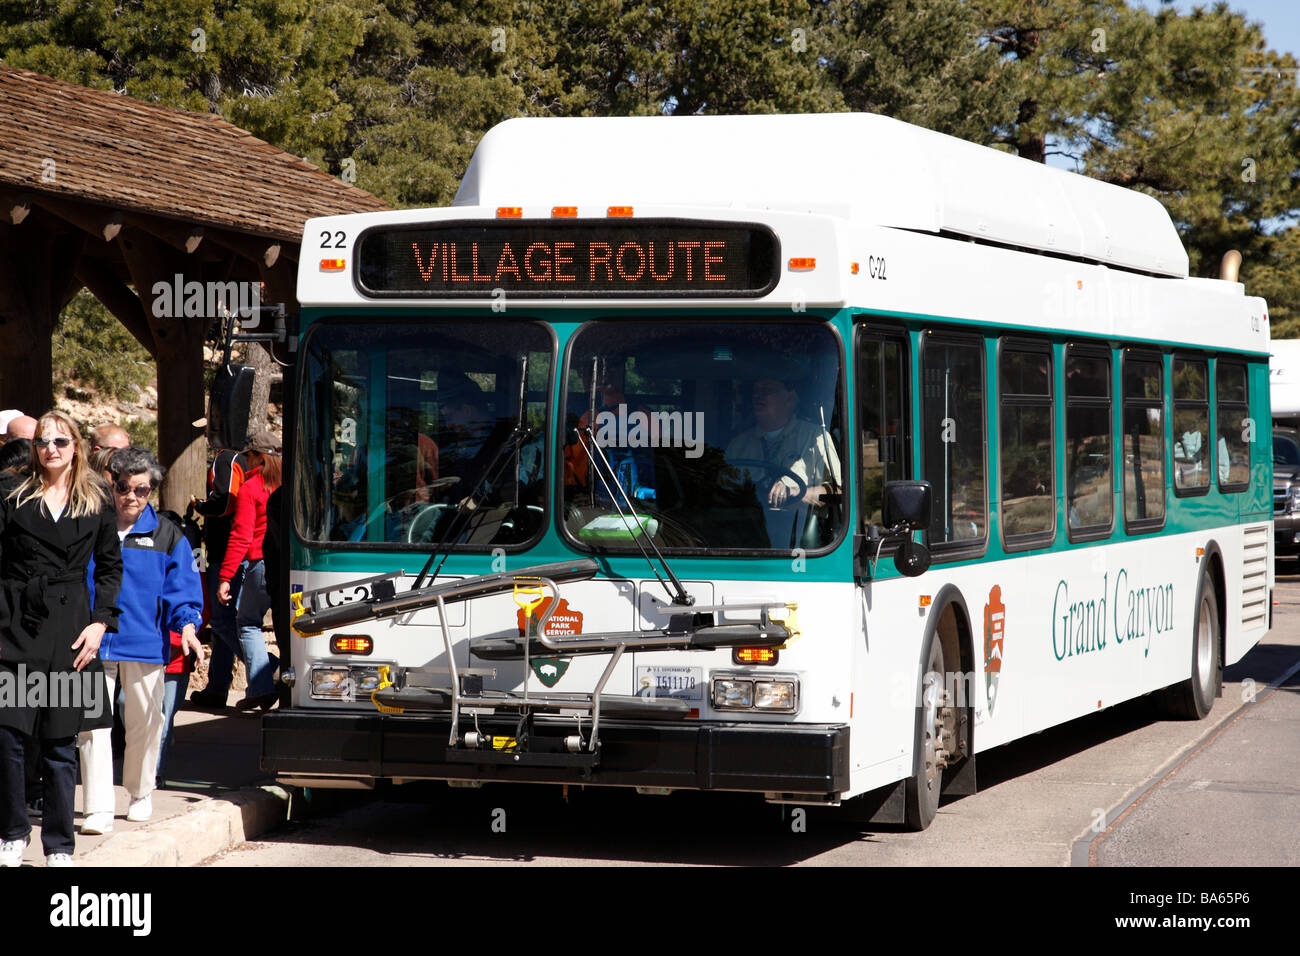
179, 350
36, 267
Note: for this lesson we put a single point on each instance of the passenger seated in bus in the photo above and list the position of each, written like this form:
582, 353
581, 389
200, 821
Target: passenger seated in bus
633, 465
349, 519
470, 440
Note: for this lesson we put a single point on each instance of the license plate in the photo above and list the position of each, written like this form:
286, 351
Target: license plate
681, 683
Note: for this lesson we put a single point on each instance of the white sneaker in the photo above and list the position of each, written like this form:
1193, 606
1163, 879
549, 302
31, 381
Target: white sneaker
59, 859
97, 823
11, 851
140, 810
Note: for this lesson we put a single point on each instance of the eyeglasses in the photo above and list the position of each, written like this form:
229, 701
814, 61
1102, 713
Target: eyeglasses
56, 442
140, 491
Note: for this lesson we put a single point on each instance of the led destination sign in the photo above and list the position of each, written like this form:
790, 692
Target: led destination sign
568, 259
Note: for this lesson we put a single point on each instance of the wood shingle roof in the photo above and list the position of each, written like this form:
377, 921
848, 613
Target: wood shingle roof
97, 146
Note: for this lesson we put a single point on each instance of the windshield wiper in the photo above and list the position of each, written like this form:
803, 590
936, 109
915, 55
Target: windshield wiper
678, 593
469, 506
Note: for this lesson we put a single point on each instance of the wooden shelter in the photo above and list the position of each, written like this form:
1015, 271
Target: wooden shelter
104, 192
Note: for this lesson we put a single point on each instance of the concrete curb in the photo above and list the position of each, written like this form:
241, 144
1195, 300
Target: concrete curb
211, 826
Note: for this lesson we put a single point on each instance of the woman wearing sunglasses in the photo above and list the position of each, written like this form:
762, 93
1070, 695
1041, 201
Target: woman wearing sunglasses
51, 525
161, 592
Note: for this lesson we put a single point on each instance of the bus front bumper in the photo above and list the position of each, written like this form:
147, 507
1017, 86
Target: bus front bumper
301, 746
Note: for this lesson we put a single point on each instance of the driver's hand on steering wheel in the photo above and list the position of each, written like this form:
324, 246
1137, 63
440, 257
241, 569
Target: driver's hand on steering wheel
781, 493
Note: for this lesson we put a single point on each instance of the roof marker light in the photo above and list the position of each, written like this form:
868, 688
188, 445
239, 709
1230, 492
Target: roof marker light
618, 211
853, 268
510, 212
564, 212
333, 265
803, 265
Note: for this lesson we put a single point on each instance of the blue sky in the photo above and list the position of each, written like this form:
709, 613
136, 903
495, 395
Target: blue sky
1280, 19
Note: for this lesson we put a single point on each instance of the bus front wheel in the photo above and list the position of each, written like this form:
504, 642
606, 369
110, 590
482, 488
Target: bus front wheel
935, 736
1193, 698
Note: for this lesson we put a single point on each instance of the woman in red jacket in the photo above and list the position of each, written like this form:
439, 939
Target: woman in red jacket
245, 551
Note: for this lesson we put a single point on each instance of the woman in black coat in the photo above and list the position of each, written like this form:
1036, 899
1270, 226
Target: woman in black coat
51, 679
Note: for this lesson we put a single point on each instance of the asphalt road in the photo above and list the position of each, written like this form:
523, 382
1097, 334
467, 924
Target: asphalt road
1118, 788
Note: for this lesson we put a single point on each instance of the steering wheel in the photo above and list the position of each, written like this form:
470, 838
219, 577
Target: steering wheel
426, 519
775, 470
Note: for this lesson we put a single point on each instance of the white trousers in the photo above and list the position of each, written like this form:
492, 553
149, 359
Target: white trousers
142, 688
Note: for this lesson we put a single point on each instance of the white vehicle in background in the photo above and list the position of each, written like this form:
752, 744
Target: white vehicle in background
1284, 401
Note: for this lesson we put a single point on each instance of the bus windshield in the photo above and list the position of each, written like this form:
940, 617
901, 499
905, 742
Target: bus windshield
719, 435
411, 419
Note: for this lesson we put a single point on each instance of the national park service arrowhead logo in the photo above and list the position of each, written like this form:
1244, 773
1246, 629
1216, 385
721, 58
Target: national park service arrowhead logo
565, 620
549, 670
995, 613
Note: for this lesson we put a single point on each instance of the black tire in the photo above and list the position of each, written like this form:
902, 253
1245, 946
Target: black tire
922, 789
1193, 698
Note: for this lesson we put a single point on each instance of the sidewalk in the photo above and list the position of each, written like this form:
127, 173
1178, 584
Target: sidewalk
215, 797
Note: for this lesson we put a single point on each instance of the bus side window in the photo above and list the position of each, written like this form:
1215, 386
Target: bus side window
1025, 435
1144, 441
1191, 427
882, 418
953, 438
1089, 498
1231, 414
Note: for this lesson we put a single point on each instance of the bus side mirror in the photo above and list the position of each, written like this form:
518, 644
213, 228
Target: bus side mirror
906, 506
907, 509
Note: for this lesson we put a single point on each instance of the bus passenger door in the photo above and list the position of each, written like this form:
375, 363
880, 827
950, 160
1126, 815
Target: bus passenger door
886, 642
883, 426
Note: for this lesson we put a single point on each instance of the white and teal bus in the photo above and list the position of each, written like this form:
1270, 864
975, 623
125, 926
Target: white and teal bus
807, 456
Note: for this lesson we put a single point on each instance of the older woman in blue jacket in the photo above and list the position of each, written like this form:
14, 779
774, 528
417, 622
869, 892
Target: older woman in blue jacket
161, 592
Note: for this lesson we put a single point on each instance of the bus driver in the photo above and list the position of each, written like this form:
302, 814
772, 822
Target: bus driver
788, 444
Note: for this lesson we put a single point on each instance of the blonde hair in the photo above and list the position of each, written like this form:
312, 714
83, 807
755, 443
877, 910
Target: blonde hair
86, 492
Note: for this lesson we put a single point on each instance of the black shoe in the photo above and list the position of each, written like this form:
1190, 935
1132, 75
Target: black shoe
208, 699
263, 702
36, 808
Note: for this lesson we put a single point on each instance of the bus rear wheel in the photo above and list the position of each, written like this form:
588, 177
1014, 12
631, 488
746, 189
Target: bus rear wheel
936, 725
1193, 698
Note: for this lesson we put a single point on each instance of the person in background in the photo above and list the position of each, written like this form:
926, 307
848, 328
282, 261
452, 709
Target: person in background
225, 478
108, 436
244, 550
15, 456
277, 586
24, 426
6, 416
51, 525
161, 592
99, 459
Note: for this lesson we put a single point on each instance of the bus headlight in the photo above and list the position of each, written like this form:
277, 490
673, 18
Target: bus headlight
1293, 499
780, 695
331, 683
731, 694
346, 682
774, 693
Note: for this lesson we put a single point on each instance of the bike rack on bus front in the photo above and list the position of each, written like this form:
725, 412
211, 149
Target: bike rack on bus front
579, 751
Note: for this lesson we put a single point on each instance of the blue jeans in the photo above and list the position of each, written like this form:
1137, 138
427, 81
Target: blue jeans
254, 602
58, 763
174, 686
222, 618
